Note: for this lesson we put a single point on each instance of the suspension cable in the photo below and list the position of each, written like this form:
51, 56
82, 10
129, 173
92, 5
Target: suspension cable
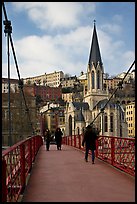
119, 87
7, 24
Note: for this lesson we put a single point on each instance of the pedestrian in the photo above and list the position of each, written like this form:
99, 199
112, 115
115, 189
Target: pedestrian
58, 138
47, 138
89, 139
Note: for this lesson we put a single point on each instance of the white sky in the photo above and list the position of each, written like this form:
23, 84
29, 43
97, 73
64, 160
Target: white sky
56, 36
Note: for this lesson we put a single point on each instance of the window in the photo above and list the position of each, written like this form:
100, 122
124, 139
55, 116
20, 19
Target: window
98, 80
111, 122
93, 79
106, 123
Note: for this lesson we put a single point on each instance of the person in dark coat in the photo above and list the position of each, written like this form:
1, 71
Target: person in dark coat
58, 138
47, 138
89, 139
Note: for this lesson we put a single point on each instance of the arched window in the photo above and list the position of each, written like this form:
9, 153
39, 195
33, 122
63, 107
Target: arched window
98, 80
111, 122
106, 122
89, 81
93, 79
70, 125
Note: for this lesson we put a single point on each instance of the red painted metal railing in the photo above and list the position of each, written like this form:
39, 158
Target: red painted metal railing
117, 151
16, 165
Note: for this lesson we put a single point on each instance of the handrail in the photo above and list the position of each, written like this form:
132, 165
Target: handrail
18, 159
16, 165
117, 151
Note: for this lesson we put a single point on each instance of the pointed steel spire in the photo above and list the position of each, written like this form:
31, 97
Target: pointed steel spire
95, 56
94, 22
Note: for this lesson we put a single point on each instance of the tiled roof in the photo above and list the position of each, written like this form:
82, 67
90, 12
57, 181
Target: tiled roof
82, 105
103, 102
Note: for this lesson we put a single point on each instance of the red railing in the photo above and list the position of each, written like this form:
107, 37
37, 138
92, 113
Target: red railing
117, 151
16, 165
17, 160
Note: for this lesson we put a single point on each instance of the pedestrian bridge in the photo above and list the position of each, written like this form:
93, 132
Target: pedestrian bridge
62, 176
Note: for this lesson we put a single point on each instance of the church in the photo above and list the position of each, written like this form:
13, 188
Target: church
96, 108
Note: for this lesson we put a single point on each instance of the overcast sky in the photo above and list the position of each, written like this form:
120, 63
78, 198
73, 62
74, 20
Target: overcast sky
56, 36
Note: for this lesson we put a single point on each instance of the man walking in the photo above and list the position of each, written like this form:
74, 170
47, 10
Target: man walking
89, 140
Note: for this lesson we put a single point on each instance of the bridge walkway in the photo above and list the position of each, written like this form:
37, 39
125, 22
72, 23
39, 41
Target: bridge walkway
64, 176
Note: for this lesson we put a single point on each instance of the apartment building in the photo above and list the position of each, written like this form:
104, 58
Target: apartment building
130, 118
112, 83
14, 85
51, 79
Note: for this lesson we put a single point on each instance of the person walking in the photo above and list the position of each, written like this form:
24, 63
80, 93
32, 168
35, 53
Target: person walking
89, 140
47, 138
58, 138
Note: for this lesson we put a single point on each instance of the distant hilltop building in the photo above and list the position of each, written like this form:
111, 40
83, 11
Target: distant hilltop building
130, 75
14, 85
50, 79
69, 81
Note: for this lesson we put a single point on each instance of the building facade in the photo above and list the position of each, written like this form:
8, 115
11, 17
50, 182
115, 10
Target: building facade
108, 116
51, 79
130, 118
14, 85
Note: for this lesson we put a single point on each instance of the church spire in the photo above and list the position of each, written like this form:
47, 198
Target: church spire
95, 56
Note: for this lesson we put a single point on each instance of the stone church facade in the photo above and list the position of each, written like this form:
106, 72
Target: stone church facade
110, 118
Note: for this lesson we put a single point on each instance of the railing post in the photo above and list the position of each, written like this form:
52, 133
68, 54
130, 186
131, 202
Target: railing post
71, 140
22, 162
68, 140
33, 148
112, 150
79, 141
97, 147
30, 154
74, 140
4, 187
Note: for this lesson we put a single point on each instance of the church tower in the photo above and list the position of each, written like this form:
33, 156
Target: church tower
95, 71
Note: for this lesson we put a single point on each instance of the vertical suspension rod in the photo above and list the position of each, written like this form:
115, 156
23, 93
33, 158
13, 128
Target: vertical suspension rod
15, 59
7, 31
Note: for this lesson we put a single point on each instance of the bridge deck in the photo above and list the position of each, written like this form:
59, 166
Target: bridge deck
64, 176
